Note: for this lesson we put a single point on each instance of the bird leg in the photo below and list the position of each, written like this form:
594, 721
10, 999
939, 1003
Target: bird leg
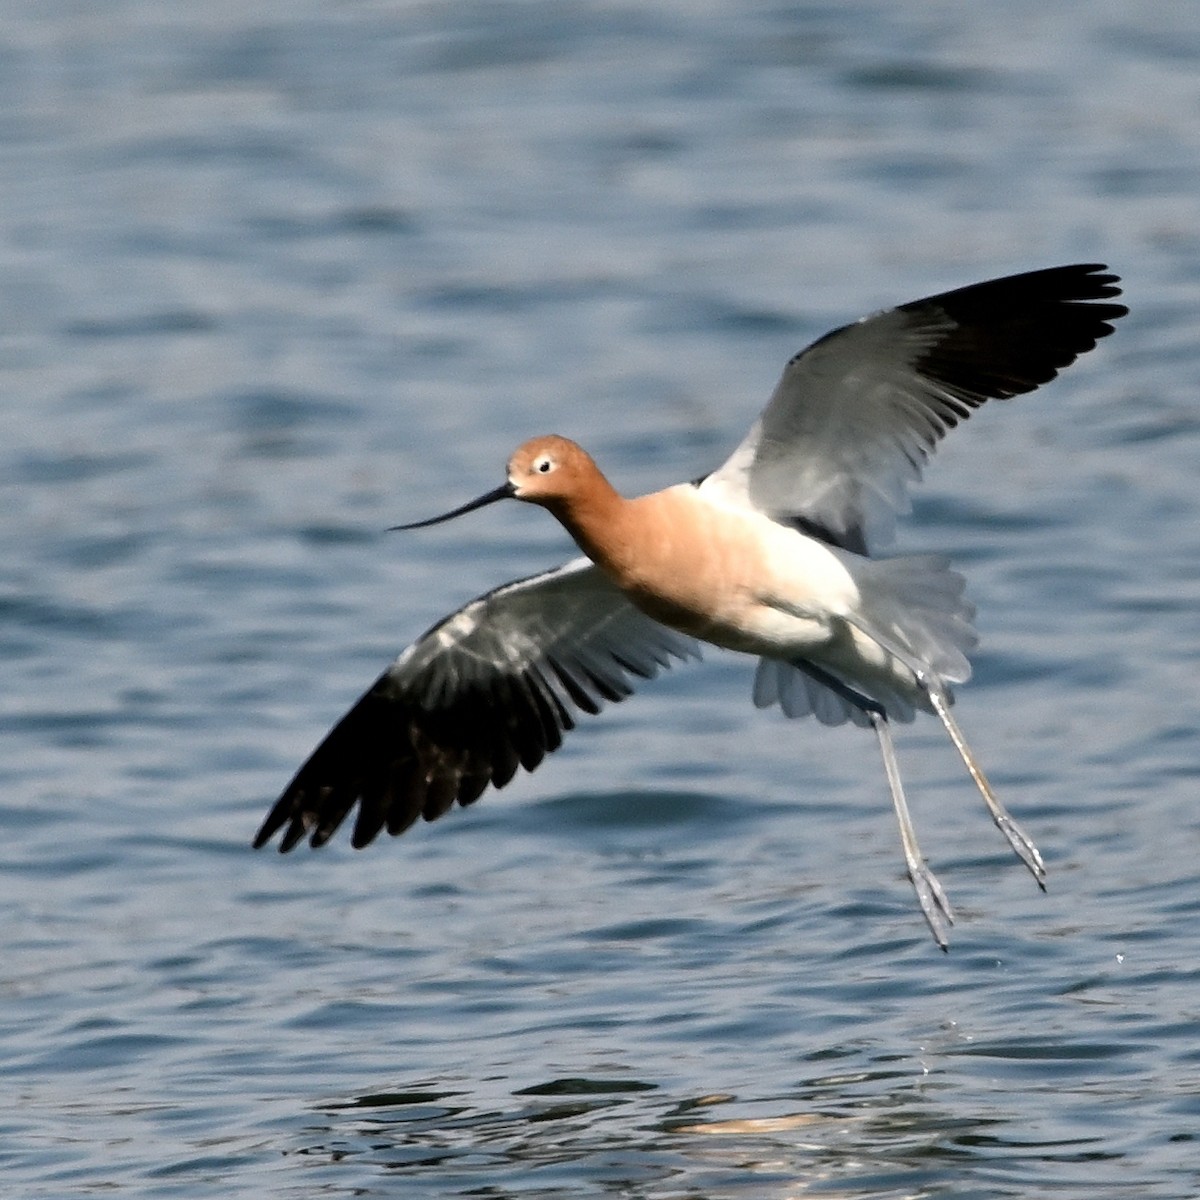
930, 896
934, 905
1018, 839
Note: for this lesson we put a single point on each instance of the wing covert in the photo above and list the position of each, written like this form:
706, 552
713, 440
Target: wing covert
491, 688
858, 413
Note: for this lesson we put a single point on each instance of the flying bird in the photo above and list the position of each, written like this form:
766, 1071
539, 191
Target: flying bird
772, 554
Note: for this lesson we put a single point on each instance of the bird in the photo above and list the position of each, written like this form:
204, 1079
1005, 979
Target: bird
774, 554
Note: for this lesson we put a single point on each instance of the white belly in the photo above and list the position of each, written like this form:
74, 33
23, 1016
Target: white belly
785, 594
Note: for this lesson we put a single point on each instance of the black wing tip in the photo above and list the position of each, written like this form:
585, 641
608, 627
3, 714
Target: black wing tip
1096, 276
1092, 281
274, 821
299, 823
1067, 284
386, 762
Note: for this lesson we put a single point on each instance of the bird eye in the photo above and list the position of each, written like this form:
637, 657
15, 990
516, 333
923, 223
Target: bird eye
543, 466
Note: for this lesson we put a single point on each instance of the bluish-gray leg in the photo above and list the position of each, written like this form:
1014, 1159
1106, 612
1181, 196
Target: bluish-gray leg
932, 899
930, 896
1018, 839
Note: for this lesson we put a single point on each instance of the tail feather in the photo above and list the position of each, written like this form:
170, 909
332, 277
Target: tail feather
799, 694
916, 602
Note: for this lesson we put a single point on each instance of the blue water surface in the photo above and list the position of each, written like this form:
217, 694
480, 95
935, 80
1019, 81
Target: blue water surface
278, 276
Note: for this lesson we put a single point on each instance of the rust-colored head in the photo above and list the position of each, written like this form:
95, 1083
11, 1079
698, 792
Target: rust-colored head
551, 470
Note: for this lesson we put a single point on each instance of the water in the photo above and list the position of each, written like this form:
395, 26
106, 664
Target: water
277, 276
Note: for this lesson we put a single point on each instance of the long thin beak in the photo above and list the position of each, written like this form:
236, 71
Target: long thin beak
504, 492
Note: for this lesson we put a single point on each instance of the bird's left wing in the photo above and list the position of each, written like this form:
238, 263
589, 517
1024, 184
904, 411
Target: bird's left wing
490, 688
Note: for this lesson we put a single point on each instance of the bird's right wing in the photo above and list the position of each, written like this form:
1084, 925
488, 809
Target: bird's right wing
857, 414
490, 688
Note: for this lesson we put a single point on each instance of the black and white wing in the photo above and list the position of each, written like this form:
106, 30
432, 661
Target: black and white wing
490, 688
856, 415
